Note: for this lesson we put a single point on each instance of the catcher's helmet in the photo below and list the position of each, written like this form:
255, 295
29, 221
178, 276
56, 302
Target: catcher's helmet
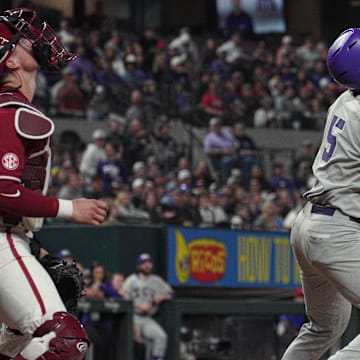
48, 50
343, 59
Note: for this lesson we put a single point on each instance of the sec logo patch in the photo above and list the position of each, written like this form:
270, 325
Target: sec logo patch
10, 161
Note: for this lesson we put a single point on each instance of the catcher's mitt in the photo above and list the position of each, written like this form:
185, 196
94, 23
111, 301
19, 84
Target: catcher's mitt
67, 278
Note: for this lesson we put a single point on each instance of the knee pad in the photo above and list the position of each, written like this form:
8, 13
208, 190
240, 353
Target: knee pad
61, 338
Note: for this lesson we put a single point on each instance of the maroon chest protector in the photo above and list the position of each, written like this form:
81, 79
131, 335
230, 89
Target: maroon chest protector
35, 128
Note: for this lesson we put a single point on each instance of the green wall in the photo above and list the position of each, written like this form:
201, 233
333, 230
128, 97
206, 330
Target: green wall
115, 246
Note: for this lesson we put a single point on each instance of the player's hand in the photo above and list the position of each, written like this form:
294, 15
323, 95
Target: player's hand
89, 211
158, 299
147, 308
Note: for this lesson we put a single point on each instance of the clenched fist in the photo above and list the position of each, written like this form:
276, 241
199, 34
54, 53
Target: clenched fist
89, 211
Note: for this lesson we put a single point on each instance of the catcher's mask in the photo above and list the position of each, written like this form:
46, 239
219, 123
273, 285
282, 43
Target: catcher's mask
48, 50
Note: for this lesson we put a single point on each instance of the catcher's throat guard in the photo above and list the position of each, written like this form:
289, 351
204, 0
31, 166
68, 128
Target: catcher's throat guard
48, 50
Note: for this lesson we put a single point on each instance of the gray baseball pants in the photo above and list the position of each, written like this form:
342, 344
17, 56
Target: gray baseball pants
327, 249
151, 331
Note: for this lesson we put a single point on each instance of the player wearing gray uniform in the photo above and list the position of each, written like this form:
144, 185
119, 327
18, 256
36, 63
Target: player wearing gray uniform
326, 234
147, 291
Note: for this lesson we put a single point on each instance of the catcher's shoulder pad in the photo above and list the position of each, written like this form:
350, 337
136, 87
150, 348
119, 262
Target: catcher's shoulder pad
32, 124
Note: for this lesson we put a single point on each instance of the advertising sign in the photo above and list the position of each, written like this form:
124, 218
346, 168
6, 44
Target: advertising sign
225, 258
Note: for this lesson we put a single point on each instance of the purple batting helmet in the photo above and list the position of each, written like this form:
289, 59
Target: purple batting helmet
343, 59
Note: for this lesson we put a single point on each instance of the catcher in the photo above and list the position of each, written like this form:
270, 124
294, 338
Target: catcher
38, 325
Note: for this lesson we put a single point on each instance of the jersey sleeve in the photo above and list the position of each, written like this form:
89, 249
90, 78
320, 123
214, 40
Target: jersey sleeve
163, 286
15, 199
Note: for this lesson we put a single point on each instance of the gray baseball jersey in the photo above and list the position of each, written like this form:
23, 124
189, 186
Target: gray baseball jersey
336, 166
142, 291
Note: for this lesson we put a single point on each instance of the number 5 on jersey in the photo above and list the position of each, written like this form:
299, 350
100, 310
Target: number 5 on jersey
336, 126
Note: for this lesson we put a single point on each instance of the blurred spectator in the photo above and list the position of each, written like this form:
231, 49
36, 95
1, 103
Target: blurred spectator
138, 190
202, 174
70, 100
265, 115
95, 190
306, 54
127, 212
220, 145
112, 169
240, 20
73, 188
165, 149
65, 33
208, 54
269, 219
147, 291
99, 105
115, 132
66, 255
152, 207
211, 214
232, 48
247, 152
278, 178
138, 143
211, 101
285, 108
93, 154
100, 327
82, 66
184, 179
136, 109
305, 155
66, 75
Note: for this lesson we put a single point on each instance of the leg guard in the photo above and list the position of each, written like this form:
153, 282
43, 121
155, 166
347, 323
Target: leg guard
61, 338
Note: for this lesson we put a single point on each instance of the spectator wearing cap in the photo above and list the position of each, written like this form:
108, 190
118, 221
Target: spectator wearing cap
147, 291
93, 154
66, 255
70, 101
221, 146
139, 170
278, 178
138, 192
184, 179
55, 89
112, 168
99, 105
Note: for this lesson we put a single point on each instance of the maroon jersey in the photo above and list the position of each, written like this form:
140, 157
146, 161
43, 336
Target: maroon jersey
25, 156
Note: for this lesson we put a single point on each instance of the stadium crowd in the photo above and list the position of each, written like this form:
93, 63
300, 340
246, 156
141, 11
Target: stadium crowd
137, 84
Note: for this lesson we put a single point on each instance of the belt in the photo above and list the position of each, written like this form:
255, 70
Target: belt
328, 211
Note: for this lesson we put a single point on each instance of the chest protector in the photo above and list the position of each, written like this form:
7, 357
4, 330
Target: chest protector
35, 129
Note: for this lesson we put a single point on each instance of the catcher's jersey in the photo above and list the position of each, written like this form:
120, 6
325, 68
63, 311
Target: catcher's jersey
25, 160
143, 291
337, 164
